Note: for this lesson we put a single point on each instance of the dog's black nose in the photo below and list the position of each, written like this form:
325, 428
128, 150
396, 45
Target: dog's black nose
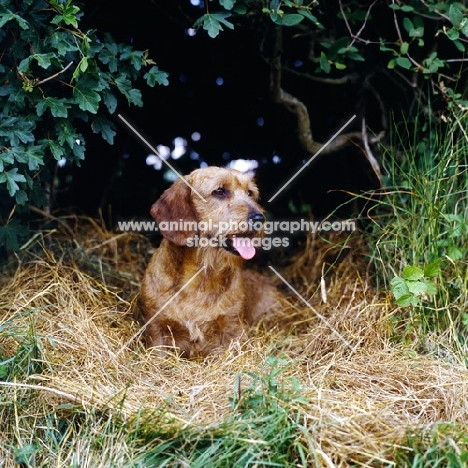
255, 216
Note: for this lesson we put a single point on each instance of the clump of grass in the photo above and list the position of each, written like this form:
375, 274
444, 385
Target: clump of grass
421, 219
443, 445
264, 429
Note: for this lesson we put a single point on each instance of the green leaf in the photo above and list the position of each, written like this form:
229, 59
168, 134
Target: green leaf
58, 107
134, 97
355, 56
431, 270
79, 151
11, 178
11, 233
125, 87
464, 28
417, 32
56, 149
406, 300
459, 46
309, 16
87, 99
62, 42
431, 287
384, 48
407, 8
44, 59
105, 128
228, 4
407, 24
5, 17
339, 47
135, 57
68, 15
417, 288
404, 48
33, 156
291, 19
399, 287
456, 253
110, 101
83, 65
6, 157
453, 34
455, 16
23, 66
324, 64
8, 16
212, 23
108, 57
21, 198
17, 130
221, 17
403, 62
391, 64
155, 75
412, 273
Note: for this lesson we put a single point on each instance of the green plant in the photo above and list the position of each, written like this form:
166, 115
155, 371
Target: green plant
268, 389
444, 445
418, 27
419, 219
28, 357
415, 287
265, 429
55, 79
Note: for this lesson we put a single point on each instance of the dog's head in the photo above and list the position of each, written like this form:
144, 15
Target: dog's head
216, 206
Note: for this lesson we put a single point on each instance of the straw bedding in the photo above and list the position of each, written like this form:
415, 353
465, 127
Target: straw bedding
363, 392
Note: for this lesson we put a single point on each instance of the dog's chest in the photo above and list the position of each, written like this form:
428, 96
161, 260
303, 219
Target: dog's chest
196, 304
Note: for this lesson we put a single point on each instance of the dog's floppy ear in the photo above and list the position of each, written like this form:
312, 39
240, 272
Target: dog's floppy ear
175, 205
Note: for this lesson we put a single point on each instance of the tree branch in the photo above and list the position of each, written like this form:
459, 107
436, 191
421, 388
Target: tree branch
54, 76
297, 107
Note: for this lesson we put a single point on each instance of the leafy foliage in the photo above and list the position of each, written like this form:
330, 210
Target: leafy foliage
281, 13
52, 77
415, 285
422, 221
426, 38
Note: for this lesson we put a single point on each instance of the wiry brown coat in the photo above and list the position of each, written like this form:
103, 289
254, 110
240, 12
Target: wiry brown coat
214, 307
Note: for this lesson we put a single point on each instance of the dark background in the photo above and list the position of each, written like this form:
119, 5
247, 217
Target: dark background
235, 120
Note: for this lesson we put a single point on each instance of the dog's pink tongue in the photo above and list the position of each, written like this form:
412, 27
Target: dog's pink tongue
244, 246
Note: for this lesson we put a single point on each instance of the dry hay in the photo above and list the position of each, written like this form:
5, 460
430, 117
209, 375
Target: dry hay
363, 392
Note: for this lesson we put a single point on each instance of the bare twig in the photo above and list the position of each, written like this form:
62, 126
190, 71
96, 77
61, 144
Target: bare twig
370, 157
56, 74
356, 37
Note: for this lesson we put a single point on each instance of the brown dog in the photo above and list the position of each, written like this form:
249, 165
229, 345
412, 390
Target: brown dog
198, 299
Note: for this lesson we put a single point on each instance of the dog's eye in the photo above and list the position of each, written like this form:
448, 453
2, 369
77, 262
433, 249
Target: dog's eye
249, 193
219, 192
